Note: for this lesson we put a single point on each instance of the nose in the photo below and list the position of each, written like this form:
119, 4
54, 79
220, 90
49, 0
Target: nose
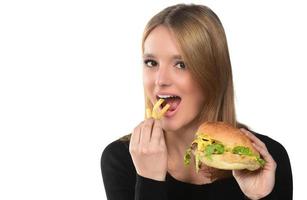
163, 77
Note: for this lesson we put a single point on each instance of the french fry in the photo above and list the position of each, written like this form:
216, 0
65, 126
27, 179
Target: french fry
155, 113
148, 113
157, 105
163, 111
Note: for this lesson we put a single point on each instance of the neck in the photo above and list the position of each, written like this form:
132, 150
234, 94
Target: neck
178, 141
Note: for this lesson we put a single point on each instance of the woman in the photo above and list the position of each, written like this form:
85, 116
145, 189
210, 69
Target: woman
186, 61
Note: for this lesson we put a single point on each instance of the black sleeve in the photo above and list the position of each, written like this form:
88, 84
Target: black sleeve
283, 188
120, 179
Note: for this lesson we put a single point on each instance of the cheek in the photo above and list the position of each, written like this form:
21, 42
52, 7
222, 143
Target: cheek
199, 96
195, 94
189, 85
195, 101
148, 82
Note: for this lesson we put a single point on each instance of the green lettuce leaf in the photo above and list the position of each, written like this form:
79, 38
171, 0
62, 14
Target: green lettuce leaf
247, 152
242, 151
216, 148
187, 156
261, 161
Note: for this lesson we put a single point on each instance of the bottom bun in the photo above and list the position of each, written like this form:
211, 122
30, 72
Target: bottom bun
229, 161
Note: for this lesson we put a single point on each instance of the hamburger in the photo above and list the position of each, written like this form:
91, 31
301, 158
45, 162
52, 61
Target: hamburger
222, 146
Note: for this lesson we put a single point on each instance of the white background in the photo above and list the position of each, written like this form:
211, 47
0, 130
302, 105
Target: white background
71, 83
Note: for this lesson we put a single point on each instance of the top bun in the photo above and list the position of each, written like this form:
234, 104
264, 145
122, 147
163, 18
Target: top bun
227, 134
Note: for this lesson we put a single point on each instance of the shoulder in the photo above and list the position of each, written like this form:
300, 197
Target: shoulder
116, 150
116, 162
271, 144
117, 145
278, 152
116, 166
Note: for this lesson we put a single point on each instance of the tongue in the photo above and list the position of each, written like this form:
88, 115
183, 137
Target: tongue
173, 102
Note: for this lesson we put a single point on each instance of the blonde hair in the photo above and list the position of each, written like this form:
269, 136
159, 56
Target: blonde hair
202, 41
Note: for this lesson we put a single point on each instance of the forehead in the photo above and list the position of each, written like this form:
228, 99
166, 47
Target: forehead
161, 41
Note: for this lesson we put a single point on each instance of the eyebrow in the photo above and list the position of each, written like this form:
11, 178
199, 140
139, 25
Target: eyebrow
149, 55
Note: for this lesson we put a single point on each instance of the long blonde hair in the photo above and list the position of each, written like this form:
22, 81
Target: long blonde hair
202, 41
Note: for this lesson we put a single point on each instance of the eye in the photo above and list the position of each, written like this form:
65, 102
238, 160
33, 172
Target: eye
180, 65
150, 63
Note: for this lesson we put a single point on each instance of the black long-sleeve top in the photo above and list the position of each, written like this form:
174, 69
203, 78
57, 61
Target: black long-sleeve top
123, 183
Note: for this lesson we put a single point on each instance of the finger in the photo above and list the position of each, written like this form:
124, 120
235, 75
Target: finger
163, 111
146, 131
265, 154
156, 132
253, 138
135, 136
238, 173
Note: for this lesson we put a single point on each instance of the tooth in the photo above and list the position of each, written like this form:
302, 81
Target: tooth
164, 96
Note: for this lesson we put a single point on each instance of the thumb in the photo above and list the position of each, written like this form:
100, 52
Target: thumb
236, 173
241, 173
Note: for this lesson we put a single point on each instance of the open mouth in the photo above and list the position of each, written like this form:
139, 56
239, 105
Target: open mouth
172, 100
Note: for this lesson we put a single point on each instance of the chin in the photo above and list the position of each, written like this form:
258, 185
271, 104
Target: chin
180, 124
170, 125
173, 124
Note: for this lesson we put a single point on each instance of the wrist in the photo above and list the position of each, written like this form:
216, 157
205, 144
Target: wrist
255, 197
156, 177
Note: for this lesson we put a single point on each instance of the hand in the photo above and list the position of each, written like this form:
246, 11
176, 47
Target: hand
257, 184
148, 150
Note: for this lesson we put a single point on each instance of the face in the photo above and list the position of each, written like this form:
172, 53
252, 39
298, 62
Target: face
165, 75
